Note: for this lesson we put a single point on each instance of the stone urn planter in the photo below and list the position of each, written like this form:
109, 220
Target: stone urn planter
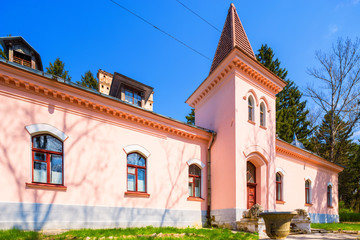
277, 223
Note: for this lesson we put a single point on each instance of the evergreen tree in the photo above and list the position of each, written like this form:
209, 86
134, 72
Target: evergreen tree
322, 137
57, 69
348, 154
89, 81
291, 112
191, 117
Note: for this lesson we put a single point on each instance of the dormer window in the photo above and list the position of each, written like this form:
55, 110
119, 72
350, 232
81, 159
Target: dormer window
22, 59
133, 97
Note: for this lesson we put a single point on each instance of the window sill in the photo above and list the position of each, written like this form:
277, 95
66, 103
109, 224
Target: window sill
195, 199
280, 202
253, 123
137, 194
308, 204
46, 186
263, 127
330, 206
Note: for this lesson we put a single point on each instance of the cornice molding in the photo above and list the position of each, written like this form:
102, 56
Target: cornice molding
57, 94
220, 74
296, 153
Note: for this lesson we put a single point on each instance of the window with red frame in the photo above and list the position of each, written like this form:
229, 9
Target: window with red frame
307, 192
329, 196
278, 187
47, 155
194, 181
136, 173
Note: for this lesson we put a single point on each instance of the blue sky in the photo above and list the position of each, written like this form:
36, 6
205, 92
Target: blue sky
92, 35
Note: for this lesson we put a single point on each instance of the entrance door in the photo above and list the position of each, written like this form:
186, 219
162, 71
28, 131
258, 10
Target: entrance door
251, 184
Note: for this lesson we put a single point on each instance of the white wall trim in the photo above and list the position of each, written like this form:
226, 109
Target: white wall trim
196, 162
309, 178
137, 148
40, 128
201, 165
280, 170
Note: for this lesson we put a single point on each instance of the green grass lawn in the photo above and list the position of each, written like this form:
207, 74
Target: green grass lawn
337, 226
133, 233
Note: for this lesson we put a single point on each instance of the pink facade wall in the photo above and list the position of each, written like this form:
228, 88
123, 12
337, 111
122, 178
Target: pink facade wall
296, 172
94, 157
253, 142
217, 114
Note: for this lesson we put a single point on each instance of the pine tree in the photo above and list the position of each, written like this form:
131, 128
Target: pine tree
322, 138
348, 154
89, 81
291, 112
191, 117
57, 69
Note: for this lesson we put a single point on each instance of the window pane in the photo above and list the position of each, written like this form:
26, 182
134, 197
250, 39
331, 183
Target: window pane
197, 187
47, 142
40, 156
278, 191
40, 172
131, 182
137, 99
56, 169
262, 119
278, 177
136, 159
141, 161
191, 184
128, 96
131, 170
194, 170
141, 180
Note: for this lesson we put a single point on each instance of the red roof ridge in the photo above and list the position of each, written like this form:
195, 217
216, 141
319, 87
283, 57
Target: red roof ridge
233, 35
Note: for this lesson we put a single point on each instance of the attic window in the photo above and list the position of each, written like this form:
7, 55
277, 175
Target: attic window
133, 97
22, 59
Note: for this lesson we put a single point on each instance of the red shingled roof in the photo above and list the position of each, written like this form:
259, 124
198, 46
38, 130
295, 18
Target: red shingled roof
233, 34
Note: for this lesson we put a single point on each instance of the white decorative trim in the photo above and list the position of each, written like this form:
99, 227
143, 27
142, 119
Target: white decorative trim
138, 149
309, 178
330, 184
196, 162
39, 128
201, 165
280, 170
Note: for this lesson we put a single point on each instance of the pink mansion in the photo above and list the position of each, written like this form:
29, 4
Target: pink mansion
71, 157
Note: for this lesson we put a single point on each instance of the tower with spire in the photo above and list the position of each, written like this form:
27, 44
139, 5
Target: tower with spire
237, 101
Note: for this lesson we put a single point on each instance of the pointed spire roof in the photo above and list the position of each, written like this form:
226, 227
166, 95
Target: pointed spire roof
233, 35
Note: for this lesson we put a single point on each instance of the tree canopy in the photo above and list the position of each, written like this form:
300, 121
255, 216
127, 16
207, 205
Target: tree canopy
339, 93
88, 80
58, 69
291, 112
190, 118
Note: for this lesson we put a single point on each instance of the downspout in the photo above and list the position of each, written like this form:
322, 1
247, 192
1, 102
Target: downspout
209, 220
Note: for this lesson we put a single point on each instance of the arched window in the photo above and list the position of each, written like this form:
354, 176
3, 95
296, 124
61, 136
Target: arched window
307, 192
194, 181
279, 195
262, 115
47, 155
251, 108
136, 173
251, 172
329, 196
